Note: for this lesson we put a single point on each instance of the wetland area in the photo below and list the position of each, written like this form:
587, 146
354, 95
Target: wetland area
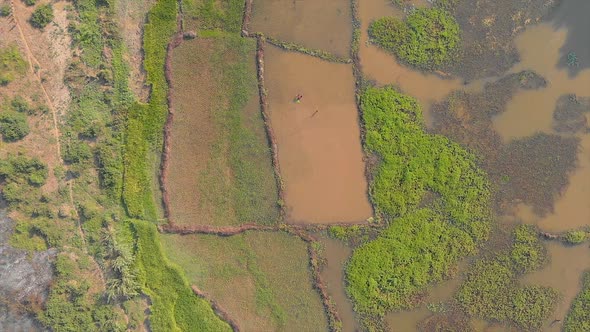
295, 165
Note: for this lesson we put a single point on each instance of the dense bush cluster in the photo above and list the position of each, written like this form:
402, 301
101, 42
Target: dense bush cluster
427, 39
42, 16
419, 247
13, 126
490, 290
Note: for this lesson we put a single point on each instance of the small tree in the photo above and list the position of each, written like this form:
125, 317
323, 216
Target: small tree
13, 126
42, 16
30, 2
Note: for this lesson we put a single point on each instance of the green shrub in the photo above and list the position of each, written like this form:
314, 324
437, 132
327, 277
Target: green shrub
30, 2
13, 126
24, 237
578, 317
4, 10
575, 237
76, 152
427, 39
42, 16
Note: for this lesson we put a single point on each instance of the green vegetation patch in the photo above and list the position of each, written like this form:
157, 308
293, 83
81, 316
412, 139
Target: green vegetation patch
413, 163
578, 317
214, 15
174, 305
490, 290
420, 246
575, 237
42, 16
13, 126
12, 65
392, 271
427, 39
145, 122
261, 278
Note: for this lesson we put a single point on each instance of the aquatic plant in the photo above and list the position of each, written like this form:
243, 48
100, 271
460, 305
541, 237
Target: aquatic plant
427, 39
490, 290
572, 59
578, 317
575, 237
418, 247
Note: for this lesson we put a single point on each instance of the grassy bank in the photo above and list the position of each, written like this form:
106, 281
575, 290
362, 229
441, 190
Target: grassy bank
145, 122
174, 305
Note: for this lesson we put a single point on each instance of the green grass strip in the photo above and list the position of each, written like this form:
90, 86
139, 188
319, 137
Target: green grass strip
146, 121
174, 305
289, 46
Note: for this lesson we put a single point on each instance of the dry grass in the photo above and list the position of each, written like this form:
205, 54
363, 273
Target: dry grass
220, 169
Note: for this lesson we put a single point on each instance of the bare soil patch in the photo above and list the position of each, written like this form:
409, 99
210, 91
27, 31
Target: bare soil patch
318, 138
324, 25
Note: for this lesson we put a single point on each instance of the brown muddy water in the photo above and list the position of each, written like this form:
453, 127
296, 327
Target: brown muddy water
324, 24
318, 139
385, 69
572, 208
531, 111
563, 273
337, 253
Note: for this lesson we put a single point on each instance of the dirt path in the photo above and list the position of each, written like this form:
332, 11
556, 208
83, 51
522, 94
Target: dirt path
37, 74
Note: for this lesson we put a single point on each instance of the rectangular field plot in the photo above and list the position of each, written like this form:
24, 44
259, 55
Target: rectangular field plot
220, 171
318, 138
261, 279
325, 24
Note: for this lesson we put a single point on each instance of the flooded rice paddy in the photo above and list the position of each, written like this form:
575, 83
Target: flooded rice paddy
318, 138
321, 25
